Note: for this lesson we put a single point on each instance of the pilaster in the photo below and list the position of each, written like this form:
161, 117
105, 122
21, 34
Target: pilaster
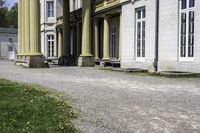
96, 32
106, 48
60, 46
120, 37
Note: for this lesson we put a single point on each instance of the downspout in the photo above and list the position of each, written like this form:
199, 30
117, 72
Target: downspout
0, 50
155, 64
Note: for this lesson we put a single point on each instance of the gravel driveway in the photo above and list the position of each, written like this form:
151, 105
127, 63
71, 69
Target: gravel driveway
114, 102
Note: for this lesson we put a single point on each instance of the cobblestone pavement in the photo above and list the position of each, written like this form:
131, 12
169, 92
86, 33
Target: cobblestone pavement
114, 102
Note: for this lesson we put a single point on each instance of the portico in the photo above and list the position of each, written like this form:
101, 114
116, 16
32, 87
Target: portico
107, 32
30, 55
29, 50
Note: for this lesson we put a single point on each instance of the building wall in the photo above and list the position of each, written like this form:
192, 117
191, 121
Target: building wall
4, 43
169, 42
169, 37
129, 35
48, 27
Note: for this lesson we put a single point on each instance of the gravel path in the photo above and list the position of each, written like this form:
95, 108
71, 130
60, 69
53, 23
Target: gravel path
114, 102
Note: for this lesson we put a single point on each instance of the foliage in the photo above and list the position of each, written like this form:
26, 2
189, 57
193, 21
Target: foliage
9, 18
13, 16
32, 109
4, 17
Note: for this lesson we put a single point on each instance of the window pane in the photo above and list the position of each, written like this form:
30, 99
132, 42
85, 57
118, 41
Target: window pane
143, 39
184, 4
191, 3
139, 14
183, 34
138, 38
191, 34
50, 8
143, 13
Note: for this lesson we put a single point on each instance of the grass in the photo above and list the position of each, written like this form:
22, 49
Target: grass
33, 109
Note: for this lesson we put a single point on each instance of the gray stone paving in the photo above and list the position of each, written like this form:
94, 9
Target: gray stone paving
114, 102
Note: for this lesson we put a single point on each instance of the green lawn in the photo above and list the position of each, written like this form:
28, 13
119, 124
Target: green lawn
32, 109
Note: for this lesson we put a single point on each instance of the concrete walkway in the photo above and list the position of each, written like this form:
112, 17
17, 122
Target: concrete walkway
114, 102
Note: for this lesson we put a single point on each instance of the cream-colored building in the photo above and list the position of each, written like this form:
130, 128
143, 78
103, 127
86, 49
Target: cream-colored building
156, 35
107, 32
75, 8
105, 40
48, 29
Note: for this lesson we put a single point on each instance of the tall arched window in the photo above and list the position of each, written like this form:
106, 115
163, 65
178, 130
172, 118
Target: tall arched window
187, 17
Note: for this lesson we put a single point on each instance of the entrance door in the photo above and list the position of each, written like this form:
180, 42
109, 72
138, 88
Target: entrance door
51, 47
113, 42
101, 30
114, 38
11, 53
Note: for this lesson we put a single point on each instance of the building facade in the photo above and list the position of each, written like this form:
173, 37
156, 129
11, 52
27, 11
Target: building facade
75, 29
48, 29
161, 35
107, 32
139, 34
107, 55
154, 35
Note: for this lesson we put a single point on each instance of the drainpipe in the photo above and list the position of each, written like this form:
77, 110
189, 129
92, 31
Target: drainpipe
155, 63
0, 50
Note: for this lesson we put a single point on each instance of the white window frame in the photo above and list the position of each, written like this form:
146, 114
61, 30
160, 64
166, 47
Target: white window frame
140, 58
52, 11
52, 44
187, 10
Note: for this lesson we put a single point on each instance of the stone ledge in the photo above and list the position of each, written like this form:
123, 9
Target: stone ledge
177, 74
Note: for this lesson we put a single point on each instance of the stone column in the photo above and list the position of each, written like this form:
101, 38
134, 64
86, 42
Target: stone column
60, 46
74, 41
86, 58
35, 27
120, 37
66, 28
27, 25
31, 57
19, 26
78, 42
23, 26
96, 32
106, 47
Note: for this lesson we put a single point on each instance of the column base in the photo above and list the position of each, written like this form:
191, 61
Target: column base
86, 61
31, 61
67, 61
